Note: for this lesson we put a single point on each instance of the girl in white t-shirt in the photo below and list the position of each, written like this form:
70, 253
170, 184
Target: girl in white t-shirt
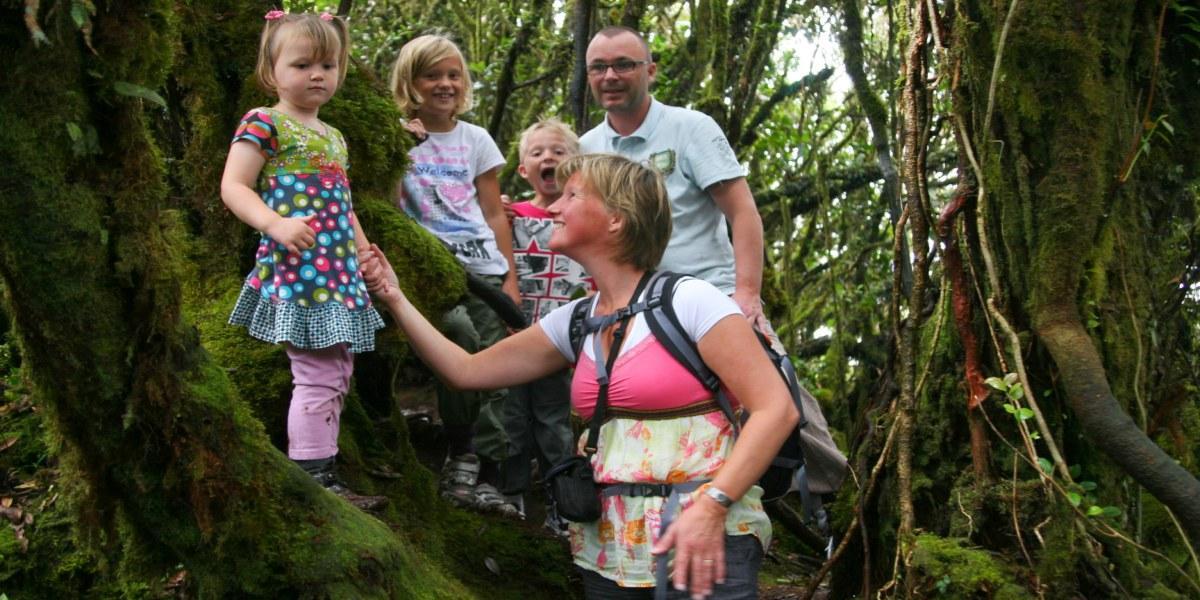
452, 190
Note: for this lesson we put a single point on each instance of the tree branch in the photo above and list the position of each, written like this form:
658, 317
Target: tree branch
582, 31
504, 85
783, 93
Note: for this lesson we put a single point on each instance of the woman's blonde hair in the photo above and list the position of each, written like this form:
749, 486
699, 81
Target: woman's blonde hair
328, 34
566, 133
418, 56
637, 194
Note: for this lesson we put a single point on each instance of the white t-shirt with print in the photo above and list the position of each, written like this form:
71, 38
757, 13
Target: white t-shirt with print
440, 194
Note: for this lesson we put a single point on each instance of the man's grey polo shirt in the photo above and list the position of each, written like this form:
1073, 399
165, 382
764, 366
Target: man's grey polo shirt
692, 153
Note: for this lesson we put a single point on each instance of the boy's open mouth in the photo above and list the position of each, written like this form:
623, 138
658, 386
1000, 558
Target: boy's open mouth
548, 176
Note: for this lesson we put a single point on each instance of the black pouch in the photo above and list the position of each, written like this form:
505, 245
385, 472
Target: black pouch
576, 495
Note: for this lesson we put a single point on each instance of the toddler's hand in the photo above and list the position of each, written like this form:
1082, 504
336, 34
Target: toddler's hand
417, 128
294, 233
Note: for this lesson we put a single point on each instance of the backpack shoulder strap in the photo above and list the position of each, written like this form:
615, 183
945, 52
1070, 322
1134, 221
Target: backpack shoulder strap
576, 331
664, 324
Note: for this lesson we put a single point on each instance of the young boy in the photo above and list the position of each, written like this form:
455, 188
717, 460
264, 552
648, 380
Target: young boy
538, 413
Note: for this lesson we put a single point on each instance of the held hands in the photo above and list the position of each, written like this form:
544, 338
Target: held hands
293, 232
378, 273
699, 541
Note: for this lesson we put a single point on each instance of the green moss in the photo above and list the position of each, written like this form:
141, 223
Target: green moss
948, 567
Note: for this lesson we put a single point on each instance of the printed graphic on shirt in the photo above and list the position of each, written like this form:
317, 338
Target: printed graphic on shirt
546, 278
440, 193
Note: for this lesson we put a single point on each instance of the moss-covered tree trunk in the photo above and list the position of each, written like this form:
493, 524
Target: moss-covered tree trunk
1078, 141
102, 188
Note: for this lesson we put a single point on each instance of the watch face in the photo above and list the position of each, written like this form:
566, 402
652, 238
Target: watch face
718, 496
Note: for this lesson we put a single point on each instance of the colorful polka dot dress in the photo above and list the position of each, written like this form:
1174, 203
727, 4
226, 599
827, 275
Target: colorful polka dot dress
315, 298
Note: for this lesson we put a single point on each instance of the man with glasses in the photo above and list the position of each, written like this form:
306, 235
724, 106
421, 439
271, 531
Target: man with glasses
705, 181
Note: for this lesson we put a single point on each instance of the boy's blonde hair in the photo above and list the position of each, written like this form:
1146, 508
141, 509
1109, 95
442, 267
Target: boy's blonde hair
636, 193
551, 124
329, 36
418, 56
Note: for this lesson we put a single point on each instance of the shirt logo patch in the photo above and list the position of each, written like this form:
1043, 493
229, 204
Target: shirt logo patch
663, 161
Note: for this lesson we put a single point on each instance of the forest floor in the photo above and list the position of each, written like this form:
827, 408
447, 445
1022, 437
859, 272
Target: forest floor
490, 564
786, 570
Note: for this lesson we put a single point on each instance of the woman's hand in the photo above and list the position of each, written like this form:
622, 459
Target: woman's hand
293, 232
379, 275
698, 537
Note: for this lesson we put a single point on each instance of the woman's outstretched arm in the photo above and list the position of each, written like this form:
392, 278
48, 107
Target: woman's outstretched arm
518, 358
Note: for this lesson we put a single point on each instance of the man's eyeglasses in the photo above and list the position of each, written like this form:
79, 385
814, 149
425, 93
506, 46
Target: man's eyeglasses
619, 67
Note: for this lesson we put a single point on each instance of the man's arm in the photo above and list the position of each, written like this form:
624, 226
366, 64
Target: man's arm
734, 199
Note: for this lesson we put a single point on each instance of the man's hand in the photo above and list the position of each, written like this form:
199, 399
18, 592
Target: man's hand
752, 308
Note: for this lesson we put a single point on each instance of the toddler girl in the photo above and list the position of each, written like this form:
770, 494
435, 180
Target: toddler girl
453, 191
286, 177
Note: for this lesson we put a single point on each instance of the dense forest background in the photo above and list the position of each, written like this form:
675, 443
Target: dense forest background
981, 221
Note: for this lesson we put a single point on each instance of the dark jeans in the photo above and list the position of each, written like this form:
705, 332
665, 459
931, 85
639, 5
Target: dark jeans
537, 419
743, 557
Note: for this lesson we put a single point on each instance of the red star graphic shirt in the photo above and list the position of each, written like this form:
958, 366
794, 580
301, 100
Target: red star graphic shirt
546, 278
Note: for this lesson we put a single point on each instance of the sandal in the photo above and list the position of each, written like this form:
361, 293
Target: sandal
457, 483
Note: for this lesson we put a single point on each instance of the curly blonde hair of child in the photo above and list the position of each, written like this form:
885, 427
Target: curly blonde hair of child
418, 56
328, 36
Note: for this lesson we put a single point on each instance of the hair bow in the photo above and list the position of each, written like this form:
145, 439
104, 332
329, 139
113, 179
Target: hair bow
325, 16
274, 14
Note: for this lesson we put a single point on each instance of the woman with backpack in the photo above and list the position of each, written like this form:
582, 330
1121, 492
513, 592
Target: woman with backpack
667, 469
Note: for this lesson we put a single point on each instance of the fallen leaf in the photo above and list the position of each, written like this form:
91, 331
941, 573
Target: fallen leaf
6, 444
491, 565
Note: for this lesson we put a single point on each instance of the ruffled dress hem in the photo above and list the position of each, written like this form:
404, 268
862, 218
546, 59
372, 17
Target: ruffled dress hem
308, 327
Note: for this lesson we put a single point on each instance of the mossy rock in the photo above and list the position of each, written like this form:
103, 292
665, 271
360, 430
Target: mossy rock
951, 568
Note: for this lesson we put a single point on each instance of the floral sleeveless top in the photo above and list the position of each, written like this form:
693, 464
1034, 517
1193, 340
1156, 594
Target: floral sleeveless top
315, 298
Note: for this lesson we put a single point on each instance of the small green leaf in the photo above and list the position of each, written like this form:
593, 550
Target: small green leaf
1010, 409
996, 383
1094, 511
1075, 471
1033, 435
79, 14
1045, 465
1087, 486
1074, 498
1025, 414
132, 89
74, 131
1167, 125
1011, 379
1111, 511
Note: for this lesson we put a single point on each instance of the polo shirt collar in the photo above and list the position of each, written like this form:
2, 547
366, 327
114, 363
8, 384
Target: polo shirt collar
646, 129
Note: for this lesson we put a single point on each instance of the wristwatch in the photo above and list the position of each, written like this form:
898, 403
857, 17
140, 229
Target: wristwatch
718, 496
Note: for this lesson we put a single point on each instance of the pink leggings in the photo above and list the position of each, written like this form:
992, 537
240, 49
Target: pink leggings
320, 381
